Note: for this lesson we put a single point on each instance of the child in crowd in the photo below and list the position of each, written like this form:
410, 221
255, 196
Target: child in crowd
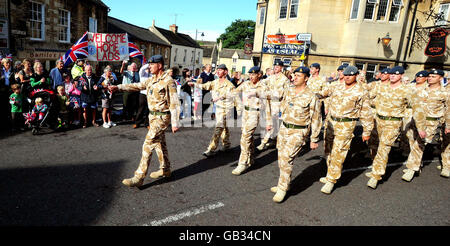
16, 100
63, 100
71, 88
38, 110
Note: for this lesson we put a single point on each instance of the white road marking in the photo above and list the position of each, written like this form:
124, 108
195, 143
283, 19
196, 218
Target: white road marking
185, 214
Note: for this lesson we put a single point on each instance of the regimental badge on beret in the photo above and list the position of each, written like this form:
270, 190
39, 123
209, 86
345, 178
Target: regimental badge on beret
437, 71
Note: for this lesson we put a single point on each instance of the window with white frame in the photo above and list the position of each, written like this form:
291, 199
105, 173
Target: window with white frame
92, 24
359, 65
443, 14
283, 9
37, 21
198, 58
185, 54
294, 9
371, 69
355, 10
64, 25
166, 55
395, 10
192, 57
262, 15
382, 10
370, 9
234, 60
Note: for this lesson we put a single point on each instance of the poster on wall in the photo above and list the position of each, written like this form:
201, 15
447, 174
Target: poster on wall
108, 46
437, 44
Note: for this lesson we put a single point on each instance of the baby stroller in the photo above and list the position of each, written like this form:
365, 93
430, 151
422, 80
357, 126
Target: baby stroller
44, 119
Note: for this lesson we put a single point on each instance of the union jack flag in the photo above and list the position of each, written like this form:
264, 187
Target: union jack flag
78, 50
135, 52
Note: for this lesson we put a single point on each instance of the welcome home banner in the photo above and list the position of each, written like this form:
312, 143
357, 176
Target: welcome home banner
108, 46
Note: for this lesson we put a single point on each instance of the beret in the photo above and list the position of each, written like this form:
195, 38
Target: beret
255, 69
423, 73
156, 59
397, 70
222, 66
316, 65
304, 70
351, 70
436, 71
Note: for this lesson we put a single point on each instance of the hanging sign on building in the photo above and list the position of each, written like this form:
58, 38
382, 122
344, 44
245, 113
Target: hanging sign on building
437, 44
285, 45
108, 46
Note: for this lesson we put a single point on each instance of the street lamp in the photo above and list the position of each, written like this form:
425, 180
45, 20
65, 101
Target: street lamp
195, 49
385, 40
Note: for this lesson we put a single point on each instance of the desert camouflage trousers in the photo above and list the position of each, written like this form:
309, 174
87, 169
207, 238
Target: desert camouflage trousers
388, 132
289, 144
155, 140
221, 130
418, 145
272, 134
338, 138
404, 136
250, 121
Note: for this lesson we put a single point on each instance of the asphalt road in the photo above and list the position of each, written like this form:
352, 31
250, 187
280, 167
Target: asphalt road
74, 178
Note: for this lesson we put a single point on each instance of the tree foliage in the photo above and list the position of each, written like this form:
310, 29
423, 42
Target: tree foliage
235, 34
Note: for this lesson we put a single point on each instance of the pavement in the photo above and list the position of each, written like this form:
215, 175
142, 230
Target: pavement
75, 178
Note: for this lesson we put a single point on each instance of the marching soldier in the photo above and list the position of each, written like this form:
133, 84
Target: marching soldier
349, 102
407, 136
446, 143
252, 109
164, 106
373, 87
300, 115
223, 95
436, 103
277, 82
390, 103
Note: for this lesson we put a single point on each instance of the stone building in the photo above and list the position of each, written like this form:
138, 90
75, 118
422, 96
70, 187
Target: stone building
210, 53
149, 43
350, 31
46, 29
235, 59
185, 52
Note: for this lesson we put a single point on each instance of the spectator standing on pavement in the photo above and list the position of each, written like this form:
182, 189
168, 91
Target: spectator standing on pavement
56, 75
77, 69
106, 95
40, 78
206, 77
63, 114
87, 83
6, 80
198, 97
186, 93
130, 99
142, 113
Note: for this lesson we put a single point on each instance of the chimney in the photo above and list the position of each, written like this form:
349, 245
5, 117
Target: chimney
174, 28
153, 24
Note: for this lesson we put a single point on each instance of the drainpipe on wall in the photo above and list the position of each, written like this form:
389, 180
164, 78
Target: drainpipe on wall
413, 20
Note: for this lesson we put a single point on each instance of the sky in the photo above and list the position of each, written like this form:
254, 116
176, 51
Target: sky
210, 17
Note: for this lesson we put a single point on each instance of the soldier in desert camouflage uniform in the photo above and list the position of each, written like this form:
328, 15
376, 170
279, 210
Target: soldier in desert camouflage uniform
300, 115
223, 95
436, 102
373, 87
390, 103
407, 135
349, 102
250, 117
276, 83
164, 105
